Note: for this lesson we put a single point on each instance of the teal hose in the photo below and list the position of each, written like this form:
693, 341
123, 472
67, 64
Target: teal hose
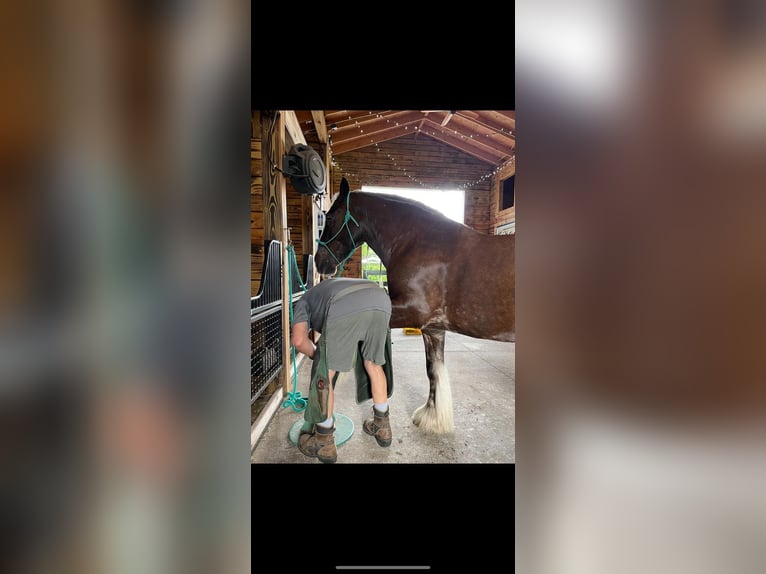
294, 398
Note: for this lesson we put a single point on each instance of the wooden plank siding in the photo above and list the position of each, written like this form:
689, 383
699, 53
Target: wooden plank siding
427, 160
296, 224
507, 215
432, 162
477, 209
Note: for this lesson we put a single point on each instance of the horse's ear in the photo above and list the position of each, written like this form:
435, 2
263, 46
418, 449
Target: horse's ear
344, 189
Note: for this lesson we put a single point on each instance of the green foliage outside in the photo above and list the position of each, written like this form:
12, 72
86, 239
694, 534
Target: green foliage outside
372, 268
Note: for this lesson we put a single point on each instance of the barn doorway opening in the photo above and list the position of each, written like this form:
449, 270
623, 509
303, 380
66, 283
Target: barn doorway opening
448, 202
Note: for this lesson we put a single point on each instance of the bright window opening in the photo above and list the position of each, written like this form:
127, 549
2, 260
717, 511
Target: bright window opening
449, 202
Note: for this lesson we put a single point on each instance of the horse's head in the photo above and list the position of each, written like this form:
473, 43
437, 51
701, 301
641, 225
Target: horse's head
341, 235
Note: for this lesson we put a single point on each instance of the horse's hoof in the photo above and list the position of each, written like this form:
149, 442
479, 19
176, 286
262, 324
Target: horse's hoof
428, 419
417, 416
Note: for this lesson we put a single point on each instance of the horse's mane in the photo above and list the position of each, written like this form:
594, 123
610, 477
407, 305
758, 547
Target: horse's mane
409, 204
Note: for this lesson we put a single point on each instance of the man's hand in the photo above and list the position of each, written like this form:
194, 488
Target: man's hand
301, 341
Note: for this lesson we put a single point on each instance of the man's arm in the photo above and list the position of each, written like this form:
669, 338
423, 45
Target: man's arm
301, 340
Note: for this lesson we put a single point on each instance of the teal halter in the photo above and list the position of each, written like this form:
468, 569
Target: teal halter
346, 219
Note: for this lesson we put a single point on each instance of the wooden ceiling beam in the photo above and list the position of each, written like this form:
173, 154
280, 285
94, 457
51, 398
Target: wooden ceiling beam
423, 121
483, 156
320, 125
481, 133
488, 143
499, 120
487, 121
370, 140
341, 117
349, 124
375, 124
465, 142
293, 129
511, 119
303, 116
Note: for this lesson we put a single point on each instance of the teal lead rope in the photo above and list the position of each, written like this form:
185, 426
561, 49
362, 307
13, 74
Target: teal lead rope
294, 398
345, 226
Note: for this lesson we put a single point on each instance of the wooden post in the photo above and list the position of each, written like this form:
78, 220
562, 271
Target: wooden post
307, 231
257, 166
273, 145
256, 125
275, 221
286, 264
328, 199
286, 303
287, 130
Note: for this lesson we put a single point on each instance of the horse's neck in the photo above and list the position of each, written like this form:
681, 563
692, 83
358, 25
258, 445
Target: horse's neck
380, 234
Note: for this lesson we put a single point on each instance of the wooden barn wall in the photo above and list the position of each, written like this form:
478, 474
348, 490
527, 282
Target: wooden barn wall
298, 210
507, 215
477, 208
432, 162
296, 223
256, 205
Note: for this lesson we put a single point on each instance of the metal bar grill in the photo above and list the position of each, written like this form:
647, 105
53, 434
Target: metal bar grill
266, 320
266, 324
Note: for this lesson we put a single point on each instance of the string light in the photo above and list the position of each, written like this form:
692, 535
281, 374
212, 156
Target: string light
501, 130
415, 180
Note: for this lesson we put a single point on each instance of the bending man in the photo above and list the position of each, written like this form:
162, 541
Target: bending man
346, 312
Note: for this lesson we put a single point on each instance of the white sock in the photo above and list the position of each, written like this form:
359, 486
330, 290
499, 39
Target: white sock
326, 424
381, 408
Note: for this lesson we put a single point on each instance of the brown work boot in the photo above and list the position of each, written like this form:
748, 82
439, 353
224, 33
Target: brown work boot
379, 426
319, 444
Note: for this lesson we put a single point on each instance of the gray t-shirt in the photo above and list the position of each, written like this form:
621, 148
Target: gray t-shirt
316, 306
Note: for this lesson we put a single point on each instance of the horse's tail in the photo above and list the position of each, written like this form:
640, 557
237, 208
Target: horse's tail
437, 415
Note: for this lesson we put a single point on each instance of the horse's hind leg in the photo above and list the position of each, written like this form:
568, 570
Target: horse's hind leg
436, 414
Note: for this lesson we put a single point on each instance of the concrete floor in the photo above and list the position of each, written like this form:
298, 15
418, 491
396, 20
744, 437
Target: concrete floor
482, 376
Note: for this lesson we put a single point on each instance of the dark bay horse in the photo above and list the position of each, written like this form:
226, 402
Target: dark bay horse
442, 276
